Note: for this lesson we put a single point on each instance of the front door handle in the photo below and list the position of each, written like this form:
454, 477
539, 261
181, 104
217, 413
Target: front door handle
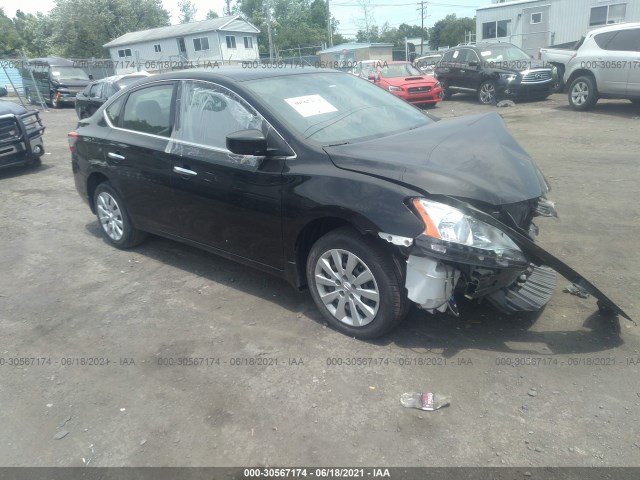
184, 171
115, 156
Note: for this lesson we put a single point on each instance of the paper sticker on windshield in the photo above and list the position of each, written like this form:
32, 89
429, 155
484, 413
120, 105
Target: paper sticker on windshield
455, 54
486, 54
55, 74
310, 105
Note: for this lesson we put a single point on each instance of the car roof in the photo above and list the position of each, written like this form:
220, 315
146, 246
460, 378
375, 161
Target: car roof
614, 28
242, 74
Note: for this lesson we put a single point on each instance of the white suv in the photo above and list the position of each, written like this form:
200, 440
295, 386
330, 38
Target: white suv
607, 65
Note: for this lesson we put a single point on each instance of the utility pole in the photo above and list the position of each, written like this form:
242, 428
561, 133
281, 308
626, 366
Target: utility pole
330, 34
269, 32
423, 11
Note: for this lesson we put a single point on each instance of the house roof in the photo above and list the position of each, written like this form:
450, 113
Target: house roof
353, 46
171, 31
506, 4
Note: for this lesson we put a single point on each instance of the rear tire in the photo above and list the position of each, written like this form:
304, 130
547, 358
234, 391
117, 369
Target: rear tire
113, 218
583, 93
356, 284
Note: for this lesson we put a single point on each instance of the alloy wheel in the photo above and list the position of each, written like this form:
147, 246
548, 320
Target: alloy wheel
347, 287
487, 92
110, 216
580, 93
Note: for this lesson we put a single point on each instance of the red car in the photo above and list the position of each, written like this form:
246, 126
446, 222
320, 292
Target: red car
407, 82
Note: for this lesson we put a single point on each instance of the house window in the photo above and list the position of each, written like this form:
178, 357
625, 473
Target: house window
536, 18
499, 29
157, 48
201, 43
231, 41
608, 14
248, 42
124, 53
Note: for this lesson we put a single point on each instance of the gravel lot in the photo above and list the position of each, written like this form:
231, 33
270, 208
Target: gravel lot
277, 387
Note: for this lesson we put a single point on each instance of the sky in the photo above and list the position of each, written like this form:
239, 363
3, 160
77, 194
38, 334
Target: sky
347, 12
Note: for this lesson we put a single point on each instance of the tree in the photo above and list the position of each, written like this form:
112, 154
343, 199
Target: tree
35, 32
227, 8
188, 11
79, 28
10, 40
450, 31
366, 22
211, 14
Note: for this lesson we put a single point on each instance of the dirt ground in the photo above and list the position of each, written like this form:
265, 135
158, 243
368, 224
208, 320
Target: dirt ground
274, 386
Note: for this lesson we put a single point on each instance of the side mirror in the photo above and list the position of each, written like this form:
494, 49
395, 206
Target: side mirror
372, 78
247, 142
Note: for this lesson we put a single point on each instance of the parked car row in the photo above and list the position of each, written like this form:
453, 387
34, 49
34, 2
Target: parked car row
356, 195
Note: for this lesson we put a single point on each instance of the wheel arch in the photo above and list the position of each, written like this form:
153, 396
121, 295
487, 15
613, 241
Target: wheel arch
95, 179
582, 72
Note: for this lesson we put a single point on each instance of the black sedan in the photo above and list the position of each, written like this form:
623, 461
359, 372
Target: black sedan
327, 181
99, 91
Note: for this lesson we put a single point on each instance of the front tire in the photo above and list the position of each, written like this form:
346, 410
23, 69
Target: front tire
356, 284
113, 218
446, 93
583, 93
487, 93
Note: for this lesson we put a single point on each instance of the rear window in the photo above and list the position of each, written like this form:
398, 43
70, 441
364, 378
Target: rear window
625, 41
603, 38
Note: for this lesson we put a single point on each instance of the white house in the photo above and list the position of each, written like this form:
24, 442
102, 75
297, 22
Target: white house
224, 39
533, 24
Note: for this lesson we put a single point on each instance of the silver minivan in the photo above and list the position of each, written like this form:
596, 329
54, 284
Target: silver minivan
607, 65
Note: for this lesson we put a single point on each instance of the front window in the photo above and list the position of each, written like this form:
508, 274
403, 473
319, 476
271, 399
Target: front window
248, 42
201, 43
536, 18
231, 41
335, 108
607, 14
125, 52
499, 29
68, 73
157, 48
503, 53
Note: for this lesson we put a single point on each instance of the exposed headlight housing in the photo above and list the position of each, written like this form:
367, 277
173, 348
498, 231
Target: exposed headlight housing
452, 234
437, 85
509, 77
394, 89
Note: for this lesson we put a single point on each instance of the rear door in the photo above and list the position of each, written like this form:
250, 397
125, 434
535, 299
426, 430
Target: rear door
615, 63
136, 154
626, 45
225, 201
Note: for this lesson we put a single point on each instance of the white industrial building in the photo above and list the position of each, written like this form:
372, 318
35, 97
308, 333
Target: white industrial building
224, 39
533, 24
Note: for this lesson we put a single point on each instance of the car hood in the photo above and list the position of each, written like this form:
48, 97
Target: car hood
414, 81
10, 108
472, 157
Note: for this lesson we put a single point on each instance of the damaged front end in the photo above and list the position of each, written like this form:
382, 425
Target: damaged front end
484, 253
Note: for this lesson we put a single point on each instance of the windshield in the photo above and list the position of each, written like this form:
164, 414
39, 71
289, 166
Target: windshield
335, 108
399, 70
503, 53
68, 73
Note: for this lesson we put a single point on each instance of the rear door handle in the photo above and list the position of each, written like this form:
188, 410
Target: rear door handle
115, 156
184, 171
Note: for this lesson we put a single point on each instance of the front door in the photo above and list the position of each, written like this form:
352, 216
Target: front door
229, 202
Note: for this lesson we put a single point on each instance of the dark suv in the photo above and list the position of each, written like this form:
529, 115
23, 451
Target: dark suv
495, 71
